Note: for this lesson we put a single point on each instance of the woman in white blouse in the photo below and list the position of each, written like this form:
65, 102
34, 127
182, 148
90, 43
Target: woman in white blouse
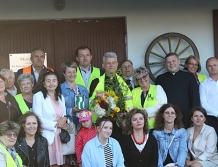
49, 105
202, 141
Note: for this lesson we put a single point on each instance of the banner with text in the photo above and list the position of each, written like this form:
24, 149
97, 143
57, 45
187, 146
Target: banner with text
21, 60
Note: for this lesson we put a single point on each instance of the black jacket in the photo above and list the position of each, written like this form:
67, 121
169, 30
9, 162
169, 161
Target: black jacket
9, 110
42, 151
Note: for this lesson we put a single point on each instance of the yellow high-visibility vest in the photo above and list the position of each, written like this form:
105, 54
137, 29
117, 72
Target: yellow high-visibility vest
100, 87
9, 160
79, 79
201, 77
149, 101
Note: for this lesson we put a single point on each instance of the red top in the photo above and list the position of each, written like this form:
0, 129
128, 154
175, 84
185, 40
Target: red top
82, 138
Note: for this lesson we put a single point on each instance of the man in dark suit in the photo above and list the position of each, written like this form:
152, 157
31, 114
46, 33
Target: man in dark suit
37, 58
126, 69
181, 87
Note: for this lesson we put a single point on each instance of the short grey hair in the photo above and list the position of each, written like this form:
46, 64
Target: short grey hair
36, 49
8, 126
25, 76
4, 70
109, 54
138, 72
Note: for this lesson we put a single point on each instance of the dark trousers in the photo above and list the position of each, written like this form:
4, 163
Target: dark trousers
213, 121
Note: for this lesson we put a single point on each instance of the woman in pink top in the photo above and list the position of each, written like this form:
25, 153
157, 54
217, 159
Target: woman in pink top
49, 105
87, 132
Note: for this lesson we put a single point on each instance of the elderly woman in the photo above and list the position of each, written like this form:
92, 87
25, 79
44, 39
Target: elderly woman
147, 96
9, 107
49, 106
39, 84
70, 90
31, 146
171, 136
102, 150
25, 99
9, 81
202, 141
8, 136
193, 65
138, 146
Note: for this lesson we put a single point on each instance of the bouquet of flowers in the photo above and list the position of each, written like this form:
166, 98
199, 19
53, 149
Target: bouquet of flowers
110, 104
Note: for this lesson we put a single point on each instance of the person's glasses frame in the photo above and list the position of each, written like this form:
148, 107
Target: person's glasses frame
192, 64
141, 78
9, 135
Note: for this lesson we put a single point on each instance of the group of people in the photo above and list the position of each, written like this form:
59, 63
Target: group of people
152, 134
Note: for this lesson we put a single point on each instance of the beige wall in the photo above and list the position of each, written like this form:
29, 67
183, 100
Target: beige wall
145, 19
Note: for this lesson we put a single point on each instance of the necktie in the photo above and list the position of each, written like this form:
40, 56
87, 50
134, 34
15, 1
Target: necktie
108, 156
128, 82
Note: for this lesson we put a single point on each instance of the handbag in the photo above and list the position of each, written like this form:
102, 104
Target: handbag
69, 147
171, 164
64, 136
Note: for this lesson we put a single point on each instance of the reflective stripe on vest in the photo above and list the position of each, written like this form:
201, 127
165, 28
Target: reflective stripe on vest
79, 79
150, 98
22, 105
100, 87
9, 160
27, 70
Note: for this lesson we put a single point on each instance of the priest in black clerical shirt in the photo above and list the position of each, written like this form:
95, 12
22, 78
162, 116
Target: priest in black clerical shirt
180, 87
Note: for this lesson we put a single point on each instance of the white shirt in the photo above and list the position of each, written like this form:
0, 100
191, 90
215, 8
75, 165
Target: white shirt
36, 74
12, 92
86, 75
209, 96
140, 147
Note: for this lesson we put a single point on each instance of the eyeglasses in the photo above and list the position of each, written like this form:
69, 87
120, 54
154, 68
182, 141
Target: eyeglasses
192, 64
143, 77
9, 135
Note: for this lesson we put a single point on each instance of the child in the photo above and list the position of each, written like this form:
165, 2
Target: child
87, 132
